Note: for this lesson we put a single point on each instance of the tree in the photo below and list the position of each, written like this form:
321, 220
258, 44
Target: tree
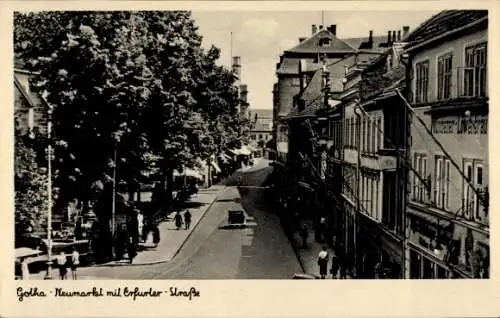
30, 185
131, 92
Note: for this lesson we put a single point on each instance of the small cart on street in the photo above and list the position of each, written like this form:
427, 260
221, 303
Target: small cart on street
236, 218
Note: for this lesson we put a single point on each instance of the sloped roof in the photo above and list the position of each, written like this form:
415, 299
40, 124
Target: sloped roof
21, 82
377, 40
443, 22
311, 45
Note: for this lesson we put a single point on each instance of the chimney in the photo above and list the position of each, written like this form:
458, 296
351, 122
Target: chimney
237, 66
399, 35
394, 36
406, 30
333, 29
389, 39
370, 37
314, 29
301, 40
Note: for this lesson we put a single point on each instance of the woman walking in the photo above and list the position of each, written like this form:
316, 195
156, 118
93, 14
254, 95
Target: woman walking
323, 262
178, 220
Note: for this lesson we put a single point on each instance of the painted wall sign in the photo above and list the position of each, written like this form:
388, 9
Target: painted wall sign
473, 125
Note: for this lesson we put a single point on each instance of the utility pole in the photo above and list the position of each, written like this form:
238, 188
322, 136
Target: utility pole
49, 197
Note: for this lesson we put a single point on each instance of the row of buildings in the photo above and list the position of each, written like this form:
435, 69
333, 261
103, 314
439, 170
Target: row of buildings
387, 137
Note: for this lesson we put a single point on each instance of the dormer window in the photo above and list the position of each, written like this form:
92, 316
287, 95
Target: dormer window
325, 42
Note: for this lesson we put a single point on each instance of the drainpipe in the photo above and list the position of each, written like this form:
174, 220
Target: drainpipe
358, 179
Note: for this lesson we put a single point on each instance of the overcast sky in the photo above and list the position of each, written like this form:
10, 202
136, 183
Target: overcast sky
260, 37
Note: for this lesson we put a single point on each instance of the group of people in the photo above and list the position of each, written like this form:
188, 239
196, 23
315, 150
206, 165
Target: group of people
179, 220
63, 264
336, 266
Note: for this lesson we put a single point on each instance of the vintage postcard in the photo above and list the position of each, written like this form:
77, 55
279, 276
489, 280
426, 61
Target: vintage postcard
197, 159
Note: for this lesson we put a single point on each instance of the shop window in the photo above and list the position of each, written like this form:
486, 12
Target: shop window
415, 265
428, 269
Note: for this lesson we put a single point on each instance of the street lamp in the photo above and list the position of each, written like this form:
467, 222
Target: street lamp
113, 202
49, 199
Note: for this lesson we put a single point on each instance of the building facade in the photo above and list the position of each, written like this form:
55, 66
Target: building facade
448, 204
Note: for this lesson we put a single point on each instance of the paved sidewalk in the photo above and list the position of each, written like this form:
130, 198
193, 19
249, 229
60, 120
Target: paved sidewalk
171, 239
308, 257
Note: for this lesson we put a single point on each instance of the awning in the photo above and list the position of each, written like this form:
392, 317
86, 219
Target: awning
189, 173
26, 252
216, 167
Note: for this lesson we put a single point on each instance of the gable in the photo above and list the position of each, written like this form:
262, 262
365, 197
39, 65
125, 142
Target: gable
313, 44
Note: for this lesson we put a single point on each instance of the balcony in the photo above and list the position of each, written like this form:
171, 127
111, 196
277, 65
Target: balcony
472, 82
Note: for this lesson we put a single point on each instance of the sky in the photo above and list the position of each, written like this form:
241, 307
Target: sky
260, 37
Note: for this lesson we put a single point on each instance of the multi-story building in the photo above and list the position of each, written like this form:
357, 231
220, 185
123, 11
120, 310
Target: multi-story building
448, 90
322, 46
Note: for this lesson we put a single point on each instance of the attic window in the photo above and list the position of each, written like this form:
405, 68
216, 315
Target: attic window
325, 42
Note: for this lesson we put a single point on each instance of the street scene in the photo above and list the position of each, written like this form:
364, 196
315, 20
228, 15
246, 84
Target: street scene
277, 145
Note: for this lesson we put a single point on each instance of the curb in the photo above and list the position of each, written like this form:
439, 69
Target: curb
178, 250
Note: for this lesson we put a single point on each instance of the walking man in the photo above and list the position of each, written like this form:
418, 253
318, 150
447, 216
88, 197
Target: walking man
61, 263
335, 267
178, 220
131, 250
187, 219
323, 262
75, 261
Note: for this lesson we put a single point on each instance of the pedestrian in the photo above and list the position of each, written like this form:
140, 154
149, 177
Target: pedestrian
178, 220
75, 261
335, 267
25, 272
131, 250
156, 234
322, 229
187, 219
61, 263
323, 261
304, 233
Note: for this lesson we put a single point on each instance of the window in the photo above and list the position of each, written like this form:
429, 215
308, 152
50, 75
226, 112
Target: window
295, 81
419, 187
325, 42
442, 182
368, 135
475, 72
374, 133
473, 208
422, 82
444, 76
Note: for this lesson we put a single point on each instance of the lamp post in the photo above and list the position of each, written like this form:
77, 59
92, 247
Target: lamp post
113, 200
49, 199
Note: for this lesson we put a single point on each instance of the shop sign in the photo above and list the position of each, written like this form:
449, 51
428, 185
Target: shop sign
472, 125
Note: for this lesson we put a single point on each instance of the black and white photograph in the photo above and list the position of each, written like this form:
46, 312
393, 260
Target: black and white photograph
208, 145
